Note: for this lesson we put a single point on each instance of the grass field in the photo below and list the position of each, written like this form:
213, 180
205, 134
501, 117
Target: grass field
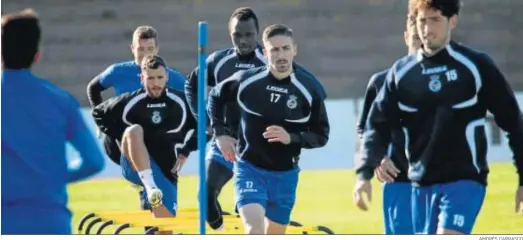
324, 198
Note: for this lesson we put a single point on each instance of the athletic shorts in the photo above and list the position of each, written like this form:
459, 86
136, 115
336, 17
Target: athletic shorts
214, 154
168, 188
397, 208
452, 206
273, 190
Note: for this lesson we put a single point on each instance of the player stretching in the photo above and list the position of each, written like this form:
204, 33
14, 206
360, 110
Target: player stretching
397, 189
245, 54
38, 119
440, 98
125, 77
157, 133
282, 110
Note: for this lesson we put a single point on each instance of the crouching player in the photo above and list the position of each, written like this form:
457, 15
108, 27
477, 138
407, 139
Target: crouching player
157, 134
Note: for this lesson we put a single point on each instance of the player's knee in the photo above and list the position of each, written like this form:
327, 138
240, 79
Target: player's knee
253, 216
133, 132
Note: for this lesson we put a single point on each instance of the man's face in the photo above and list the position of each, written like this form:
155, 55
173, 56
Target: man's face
243, 35
143, 47
154, 81
412, 39
280, 50
434, 28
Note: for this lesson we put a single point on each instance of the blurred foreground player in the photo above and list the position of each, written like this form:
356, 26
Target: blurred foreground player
157, 133
397, 213
282, 110
245, 54
440, 98
124, 77
38, 119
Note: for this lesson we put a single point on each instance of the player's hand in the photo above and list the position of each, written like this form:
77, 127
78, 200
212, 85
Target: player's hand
519, 200
386, 171
180, 161
227, 146
277, 134
362, 186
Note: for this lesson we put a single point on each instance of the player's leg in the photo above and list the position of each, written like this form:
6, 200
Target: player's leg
250, 191
460, 204
397, 208
217, 176
134, 149
425, 210
282, 197
135, 159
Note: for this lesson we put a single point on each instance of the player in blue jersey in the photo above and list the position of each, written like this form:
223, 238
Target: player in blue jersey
35, 131
245, 54
397, 213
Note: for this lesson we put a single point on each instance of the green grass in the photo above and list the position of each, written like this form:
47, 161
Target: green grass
324, 198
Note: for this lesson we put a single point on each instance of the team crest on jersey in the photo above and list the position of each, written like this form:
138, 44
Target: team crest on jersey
435, 83
156, 118
292, 102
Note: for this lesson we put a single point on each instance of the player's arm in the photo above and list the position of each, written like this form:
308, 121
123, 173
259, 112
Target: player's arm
370, 95
501, 102
78, 134
383, 117
318, 127
108, 116
98, 84
190, 142
191, 84
221, 94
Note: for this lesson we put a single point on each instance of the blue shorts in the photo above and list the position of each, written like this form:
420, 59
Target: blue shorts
169, 190
273, 190
397, 208
452, 206
30, 220
214, 154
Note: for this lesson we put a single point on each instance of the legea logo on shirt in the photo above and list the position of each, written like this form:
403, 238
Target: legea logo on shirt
244, 65
277, 89
156, 105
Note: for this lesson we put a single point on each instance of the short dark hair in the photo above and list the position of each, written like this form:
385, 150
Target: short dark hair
244, 14
152, 62
275, 30
145, 32
448, 8
21, 35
